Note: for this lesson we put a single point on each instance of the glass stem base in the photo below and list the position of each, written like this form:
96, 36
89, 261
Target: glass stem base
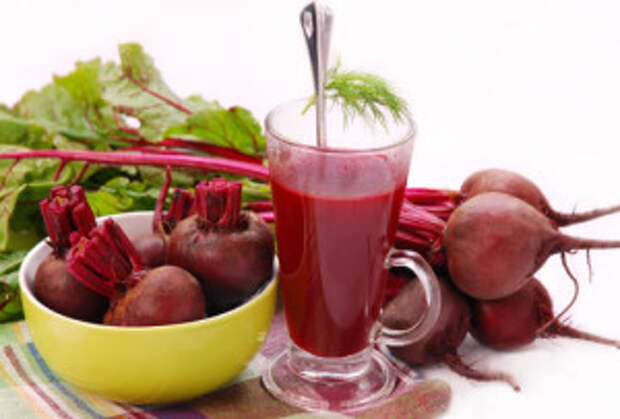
344, 384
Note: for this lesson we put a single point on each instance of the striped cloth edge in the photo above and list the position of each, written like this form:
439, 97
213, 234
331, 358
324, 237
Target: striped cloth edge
29, 389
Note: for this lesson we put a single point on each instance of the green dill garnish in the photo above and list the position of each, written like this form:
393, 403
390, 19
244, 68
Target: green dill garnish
362, 94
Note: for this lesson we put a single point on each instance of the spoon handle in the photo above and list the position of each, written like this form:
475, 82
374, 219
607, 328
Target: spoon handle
316, 22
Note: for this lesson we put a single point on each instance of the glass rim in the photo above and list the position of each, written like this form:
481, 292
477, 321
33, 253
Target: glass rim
407, 120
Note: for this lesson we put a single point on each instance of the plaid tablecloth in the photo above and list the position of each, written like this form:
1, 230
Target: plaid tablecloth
29, 389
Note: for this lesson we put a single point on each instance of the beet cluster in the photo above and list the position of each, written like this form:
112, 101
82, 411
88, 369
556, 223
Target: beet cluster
204, 256
486, 243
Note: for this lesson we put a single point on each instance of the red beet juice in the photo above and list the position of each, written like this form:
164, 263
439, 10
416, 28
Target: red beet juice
333, 236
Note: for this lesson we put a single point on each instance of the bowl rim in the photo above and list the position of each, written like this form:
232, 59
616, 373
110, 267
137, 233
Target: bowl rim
27, 293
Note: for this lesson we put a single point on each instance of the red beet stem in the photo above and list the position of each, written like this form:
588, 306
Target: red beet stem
217, 193
61, 166
424, 196
165, 146
91, 279
406, 240
81, 174
182, 205
420, 231
219, 202
456, 364
212, 149
161, 200
233, 206
267, 216
417, 219
114, 158
64, 212
443, 210
105, 259
259, 206
83, 218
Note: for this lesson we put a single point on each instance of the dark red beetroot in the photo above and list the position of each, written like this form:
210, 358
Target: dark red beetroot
55, 287
165, 295
107, 262
66, 211
152, 247
230, 251
498, 180
495, 242
440, 346
516, 320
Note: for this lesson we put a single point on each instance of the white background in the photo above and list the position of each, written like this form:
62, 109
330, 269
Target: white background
531, 86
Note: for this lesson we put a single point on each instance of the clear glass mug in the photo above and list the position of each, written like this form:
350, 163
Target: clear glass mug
336, 212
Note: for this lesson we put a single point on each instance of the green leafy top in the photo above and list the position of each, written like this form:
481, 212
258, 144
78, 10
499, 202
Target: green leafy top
103, 106
106, 106
362, 94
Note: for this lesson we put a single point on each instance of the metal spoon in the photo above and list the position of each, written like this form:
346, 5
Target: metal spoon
316, 23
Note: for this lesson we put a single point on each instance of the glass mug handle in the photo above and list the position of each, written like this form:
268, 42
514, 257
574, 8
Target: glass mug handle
424, 273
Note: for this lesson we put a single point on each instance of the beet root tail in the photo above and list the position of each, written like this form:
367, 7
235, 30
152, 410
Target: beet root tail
567, 243
457, 365
563, 219
563, 330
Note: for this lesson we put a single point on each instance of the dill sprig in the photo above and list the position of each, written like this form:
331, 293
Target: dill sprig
362, 94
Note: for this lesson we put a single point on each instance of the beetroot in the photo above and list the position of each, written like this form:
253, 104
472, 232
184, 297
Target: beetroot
152, 247
440, 345
517, 320
230, 251
107, 262
66, 212
164, 295
55, 287
495, 242
498, 180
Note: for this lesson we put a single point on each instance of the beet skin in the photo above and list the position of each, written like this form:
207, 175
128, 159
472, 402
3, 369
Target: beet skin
55, 287
230, 263
164, 295
494, 243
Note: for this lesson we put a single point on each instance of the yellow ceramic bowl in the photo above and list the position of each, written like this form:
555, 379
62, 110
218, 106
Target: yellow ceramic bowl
156, 364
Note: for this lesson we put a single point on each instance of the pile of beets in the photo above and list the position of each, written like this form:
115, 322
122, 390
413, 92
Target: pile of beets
486, 242
205, 256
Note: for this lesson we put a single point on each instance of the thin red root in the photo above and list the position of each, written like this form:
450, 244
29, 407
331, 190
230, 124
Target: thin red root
563, 219
556, 319
559, 329
568, 243
589, 262
455, 363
